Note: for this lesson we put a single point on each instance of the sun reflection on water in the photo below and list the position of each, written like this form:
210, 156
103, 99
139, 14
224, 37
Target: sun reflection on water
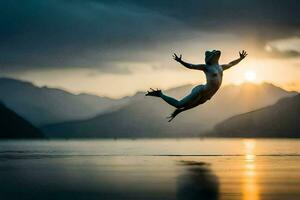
250, 187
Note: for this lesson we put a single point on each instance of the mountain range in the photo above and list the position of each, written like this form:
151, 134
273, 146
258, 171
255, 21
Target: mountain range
145, 116
43, 105
13, 126
279, 120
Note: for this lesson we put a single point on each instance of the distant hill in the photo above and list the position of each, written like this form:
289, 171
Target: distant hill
279, 120
43, 105
13, 126
145, 116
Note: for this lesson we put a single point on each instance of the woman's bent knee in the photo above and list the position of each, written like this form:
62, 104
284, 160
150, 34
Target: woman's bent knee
180, 104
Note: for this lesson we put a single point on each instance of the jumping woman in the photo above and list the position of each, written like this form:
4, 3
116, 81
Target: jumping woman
201, 93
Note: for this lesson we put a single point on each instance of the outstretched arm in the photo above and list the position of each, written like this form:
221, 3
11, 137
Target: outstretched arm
243, 54
188, 65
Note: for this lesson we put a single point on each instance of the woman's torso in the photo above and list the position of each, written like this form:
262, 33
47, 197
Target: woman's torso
214, 76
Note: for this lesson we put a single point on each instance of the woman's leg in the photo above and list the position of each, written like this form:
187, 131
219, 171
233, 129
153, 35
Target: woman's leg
171, 100
189, 101
178, 103
184, 101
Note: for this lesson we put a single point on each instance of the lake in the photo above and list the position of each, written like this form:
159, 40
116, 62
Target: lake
247, 169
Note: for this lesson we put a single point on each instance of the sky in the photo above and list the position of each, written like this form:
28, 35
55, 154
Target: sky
116, 48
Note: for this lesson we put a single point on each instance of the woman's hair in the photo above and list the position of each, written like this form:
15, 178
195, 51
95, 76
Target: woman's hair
209, 55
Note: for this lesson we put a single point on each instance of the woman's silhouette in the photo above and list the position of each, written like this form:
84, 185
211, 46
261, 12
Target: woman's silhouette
201, 93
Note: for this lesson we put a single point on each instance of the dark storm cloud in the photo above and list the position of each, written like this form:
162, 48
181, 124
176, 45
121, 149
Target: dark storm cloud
72, 33
273, 18
94, 33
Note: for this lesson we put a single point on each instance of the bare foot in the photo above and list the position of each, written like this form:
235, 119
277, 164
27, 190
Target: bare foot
174, 114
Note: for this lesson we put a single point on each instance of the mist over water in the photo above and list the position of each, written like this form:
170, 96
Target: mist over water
210, 169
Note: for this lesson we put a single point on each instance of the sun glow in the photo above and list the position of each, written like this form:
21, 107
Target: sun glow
250, 76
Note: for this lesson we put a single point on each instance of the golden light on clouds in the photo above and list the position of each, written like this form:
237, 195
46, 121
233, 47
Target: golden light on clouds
284, 45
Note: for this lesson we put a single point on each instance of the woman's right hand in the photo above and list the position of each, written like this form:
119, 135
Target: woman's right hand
175, 57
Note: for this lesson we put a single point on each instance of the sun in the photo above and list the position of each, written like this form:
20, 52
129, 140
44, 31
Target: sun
250, 76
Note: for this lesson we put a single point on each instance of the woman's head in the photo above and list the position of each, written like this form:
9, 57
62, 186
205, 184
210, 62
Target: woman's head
212, 57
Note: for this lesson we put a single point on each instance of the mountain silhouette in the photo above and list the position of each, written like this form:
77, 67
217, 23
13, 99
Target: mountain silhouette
279, 120
13, 126
43, 105
145, 117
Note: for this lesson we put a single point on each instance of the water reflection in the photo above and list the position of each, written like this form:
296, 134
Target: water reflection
76, 170
250, 187
197, 182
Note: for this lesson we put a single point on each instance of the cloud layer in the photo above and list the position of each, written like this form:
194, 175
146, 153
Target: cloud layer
54, 34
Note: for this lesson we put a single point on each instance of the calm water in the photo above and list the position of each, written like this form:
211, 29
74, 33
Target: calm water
151, 169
